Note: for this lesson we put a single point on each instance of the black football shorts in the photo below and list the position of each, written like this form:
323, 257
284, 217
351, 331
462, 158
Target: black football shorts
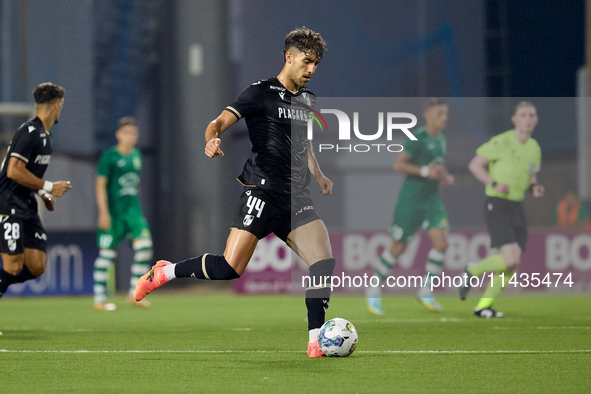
262, 212
505, 220
19, 233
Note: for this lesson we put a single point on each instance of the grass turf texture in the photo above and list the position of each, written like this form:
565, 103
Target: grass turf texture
248, 325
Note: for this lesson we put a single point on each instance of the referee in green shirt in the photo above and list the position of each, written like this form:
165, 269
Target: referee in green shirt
513, 160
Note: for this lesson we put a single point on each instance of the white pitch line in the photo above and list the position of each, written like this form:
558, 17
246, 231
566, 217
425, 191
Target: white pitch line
564, 328
474, 351
425, 320
300, 351
544, 328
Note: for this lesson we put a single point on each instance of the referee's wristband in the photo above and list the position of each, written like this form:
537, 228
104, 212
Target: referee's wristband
425, 171
48, 186
41, 192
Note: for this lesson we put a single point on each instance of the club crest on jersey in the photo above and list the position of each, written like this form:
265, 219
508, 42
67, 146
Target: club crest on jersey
121, 163
306, 98
42, 159
137, 163
12, 245
248, 220
128, 183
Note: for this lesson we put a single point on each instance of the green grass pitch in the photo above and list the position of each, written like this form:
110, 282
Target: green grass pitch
227, 344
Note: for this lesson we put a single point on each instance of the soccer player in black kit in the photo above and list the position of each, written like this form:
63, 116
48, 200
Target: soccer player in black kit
23, 243
276, 177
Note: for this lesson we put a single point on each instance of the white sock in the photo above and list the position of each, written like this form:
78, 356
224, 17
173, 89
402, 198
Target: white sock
169, 272
99, 299
373, 292
314, 334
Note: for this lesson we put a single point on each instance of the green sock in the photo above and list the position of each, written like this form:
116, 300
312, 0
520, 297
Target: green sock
493, 292
494, 263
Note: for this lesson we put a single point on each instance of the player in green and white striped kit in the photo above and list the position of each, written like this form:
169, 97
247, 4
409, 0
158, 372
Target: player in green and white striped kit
120, 213
419, 204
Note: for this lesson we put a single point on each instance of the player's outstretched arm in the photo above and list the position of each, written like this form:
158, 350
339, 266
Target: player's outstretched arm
403, 165
324, 183
102, 202
17, 171
214, 131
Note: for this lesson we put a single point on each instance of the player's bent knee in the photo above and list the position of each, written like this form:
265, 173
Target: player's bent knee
441, 246
38, 268
397, 248
13, 264
37, 271
219, 268
237, 263
13, 269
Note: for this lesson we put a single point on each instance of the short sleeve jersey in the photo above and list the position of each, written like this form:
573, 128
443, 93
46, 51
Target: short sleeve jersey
31, 144
511, 162
123, 177
427, 150
277, 125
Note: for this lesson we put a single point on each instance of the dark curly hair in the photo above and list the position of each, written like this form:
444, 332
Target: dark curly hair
126, 121
47, 92
305, 40
433, 101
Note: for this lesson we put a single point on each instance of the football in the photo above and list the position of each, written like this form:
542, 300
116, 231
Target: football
337, 338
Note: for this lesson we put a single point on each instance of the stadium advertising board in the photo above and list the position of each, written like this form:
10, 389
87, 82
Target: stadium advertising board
546, 264
70, 258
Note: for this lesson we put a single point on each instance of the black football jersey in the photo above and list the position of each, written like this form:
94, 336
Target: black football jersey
31, 144
277, 124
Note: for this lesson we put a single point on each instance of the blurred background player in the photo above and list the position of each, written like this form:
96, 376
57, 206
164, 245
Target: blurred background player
120, 212
571, 213
513, 159
419, 203
276, 179
24, 241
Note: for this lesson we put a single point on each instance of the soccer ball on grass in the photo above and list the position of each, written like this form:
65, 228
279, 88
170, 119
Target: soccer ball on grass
337, 338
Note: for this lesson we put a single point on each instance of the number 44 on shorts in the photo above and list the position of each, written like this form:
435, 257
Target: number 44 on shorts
255, 203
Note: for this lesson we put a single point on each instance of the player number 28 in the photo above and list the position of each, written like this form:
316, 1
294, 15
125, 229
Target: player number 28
12, 231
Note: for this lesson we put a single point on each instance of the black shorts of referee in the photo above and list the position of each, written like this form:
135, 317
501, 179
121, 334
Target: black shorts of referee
505, 220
